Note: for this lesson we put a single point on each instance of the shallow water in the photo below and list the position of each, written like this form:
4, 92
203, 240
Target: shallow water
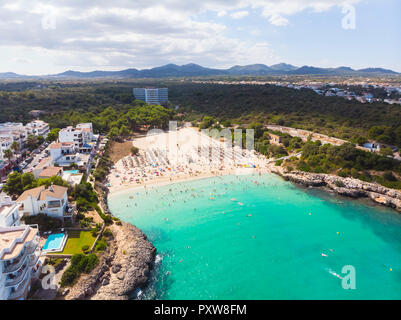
259, 237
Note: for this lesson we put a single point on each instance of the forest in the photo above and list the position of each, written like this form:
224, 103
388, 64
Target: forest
304, 109
105, 102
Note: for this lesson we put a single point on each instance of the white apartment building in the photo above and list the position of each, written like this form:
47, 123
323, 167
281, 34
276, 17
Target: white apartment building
52, 201
15, 131
87, 132
38, 128
5, 144
82, 136
19, 260
9, 214
64, 154
71, 135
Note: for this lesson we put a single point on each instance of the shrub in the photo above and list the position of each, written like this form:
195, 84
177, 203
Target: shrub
95, 232
101, 245
44, 222
134, 150
343, 173
80, 263
85, 248
279, 162
107, 233
106, 218
339, 184
388, 175
288, 168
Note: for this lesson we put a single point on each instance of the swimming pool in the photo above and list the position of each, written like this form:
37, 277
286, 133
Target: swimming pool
55, 242
72, 171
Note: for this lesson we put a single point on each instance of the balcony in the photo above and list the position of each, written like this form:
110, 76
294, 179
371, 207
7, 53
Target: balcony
11, 282
35, 272
21, 290
34, 258
28, 250
15, 265
31, 248
53, 204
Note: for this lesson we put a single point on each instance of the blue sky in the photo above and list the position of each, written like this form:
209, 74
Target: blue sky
317, 38
46, 36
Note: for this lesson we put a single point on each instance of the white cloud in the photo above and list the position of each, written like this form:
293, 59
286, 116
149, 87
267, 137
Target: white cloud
239, 14
142, 33
221, 13
278, 20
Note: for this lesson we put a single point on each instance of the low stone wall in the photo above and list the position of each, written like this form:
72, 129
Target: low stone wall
57, 256
345, 186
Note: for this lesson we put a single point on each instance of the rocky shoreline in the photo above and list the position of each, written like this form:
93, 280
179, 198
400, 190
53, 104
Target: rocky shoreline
349, 187
122, 269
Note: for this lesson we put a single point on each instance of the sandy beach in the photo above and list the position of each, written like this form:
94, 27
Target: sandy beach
177, 156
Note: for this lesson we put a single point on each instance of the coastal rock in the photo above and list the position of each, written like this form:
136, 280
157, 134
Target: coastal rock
349, 187
122, 269
116, 268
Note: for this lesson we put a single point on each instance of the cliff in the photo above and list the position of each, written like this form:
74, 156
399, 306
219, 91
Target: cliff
122, 269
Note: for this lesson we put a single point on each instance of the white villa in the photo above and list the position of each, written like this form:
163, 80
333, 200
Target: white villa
64, 154
19, 260
52, 201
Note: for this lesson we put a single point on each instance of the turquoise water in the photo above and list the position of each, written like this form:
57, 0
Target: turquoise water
72, 171
54, 241
231, 238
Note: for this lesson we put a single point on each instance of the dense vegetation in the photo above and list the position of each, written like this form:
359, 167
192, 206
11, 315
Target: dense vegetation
44, 222
80, 263
116, 121
347, 161
18, 98
17, 183
302, 109
110, 105
86, 199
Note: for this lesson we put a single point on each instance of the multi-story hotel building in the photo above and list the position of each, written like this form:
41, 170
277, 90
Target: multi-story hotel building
151, 95
19, 260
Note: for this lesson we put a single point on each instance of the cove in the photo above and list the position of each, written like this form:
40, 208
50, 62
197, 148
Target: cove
260, 237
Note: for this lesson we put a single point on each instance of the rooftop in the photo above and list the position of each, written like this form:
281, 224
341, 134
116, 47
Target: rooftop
34, 193
50, 172
44, 163
41, 193
54, 191
13, 239
59, 145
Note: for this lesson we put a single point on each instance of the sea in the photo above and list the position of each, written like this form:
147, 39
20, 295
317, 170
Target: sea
259, 237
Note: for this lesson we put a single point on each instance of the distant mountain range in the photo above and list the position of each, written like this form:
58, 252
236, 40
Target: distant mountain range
194, 70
